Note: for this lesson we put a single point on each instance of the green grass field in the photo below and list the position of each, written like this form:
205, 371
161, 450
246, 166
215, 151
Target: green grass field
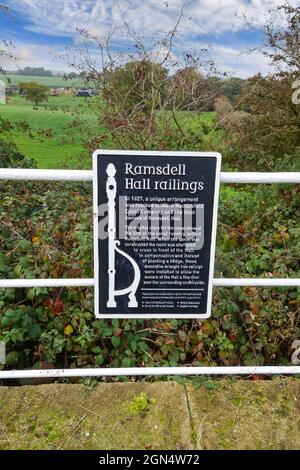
64, 146
12, 79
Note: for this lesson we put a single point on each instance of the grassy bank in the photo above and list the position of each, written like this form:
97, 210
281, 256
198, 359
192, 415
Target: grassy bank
162, 415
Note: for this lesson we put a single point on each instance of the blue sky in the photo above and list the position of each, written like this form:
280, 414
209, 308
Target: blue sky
37, 27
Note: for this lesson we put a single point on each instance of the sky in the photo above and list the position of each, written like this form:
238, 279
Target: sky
41, 30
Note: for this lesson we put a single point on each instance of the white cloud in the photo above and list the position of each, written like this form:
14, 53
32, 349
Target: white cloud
227, 59
149, 18
32, 55
238, 63
62, 17
26, 54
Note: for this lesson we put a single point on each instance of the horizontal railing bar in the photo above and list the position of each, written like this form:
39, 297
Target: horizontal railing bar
149, 371
28, 283
217, 282
45, 175
87, 175
256, 282
260, 177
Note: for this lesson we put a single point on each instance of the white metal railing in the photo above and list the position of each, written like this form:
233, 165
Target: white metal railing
217, 282
87, 175
149, 371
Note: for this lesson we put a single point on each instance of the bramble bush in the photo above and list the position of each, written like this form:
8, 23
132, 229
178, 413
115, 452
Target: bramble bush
46, 231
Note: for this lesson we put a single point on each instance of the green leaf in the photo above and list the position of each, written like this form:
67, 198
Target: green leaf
133, 345
180, 379
5, 321
31, 293
34, 331
127, 362
107, 332
9, 313
25, 245
198, 382
12, 358
99, 359
210, 385
115, 341
58, 343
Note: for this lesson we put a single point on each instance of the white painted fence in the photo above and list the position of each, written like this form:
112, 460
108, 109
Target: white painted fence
81, 175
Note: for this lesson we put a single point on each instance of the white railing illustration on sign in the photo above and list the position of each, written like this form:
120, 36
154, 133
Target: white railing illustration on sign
87, 175
113, 247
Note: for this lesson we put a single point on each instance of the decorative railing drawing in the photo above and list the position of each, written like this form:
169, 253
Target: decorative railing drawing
113, 247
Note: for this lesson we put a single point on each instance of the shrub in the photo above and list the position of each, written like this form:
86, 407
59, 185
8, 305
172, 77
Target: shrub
43, 235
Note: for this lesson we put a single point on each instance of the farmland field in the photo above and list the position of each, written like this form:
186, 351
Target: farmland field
57, 81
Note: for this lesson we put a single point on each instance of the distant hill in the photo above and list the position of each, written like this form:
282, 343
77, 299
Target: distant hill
55, 81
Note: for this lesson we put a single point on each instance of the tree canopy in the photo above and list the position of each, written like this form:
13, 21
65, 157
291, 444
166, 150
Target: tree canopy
34, 91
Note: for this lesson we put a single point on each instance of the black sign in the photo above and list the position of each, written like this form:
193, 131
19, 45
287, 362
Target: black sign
154, 231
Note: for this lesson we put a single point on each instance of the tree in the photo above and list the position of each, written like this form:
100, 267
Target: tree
281, 40
232, 88
148, 94
34, 71
130, 87
6, 47
272, 128
35, 91
222, 107
190, 90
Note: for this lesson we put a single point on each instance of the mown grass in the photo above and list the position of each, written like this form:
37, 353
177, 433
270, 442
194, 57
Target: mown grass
54, 142
195, 122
